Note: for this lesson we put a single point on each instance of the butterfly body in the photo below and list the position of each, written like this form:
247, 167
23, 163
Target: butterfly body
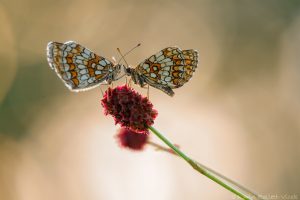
81, 69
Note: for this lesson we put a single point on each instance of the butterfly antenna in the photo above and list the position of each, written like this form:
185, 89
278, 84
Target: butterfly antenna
123, 56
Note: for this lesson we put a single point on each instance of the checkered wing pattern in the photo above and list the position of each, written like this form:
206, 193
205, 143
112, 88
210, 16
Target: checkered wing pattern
78, 67
169, 68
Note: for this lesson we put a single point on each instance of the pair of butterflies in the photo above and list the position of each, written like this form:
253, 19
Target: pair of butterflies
81, 69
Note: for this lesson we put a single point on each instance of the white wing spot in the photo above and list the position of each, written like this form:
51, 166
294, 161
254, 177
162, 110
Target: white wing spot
99, 67
167, 68
160, 58
68, 48
153, 75
80, 57
87, 52
98, 72
84, 77
66, 67
85, 55
83, 84
91, 80
81, 66
102, 62
167, 60
66, 76
145, 66
151, 59
79, 61
83, 71
166, 73
168, 78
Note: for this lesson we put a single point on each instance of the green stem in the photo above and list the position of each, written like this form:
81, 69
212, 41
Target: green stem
214, 176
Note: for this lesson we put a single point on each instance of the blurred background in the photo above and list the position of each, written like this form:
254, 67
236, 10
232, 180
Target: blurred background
239, 114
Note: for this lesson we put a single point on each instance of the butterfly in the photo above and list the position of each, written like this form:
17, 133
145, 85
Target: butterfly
168, 69
81, 69
78, 67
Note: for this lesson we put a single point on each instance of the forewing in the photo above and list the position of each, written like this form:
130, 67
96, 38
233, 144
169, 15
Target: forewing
78, 67
170, 67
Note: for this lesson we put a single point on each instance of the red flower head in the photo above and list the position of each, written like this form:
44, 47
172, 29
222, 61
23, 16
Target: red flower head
132, 140
129, 108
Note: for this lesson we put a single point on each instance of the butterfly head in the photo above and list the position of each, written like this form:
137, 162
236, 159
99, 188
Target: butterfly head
131, 72
128, 71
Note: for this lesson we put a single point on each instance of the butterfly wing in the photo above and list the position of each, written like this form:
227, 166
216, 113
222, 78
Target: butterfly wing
78, 67
169, 68
190, 60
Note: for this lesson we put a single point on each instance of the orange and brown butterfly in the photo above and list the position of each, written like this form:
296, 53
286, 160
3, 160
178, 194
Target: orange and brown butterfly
78, 67
168, 69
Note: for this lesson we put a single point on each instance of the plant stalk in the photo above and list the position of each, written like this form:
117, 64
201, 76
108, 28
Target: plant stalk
228, 184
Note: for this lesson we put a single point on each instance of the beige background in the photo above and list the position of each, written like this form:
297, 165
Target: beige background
239, 114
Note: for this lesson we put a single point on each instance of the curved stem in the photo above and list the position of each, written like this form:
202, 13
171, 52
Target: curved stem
209, 173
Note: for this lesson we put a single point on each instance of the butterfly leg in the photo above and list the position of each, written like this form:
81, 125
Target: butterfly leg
148, 91
101, 91
130, 82
104, 84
